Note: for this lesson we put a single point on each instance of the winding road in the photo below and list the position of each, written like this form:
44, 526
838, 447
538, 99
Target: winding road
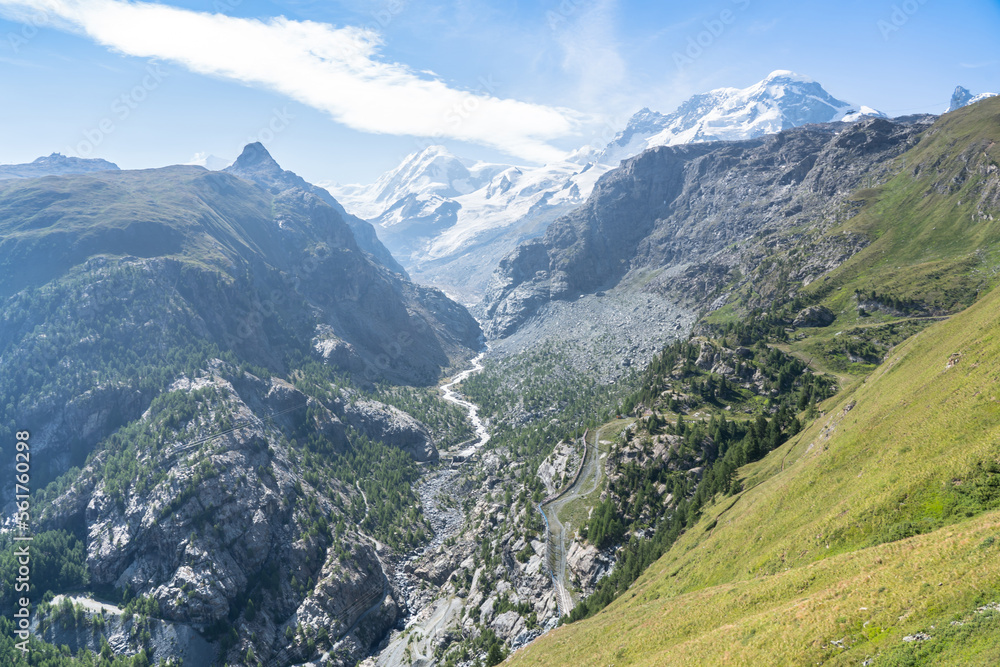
558, 534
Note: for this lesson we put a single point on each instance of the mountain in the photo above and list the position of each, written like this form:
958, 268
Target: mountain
431, 172
450, 221
962, 97
781, 101
199, 357
671, 222
256, 164
260, 273
857, 530
55, 165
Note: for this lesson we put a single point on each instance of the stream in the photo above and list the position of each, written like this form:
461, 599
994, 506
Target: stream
429, 618
453, 396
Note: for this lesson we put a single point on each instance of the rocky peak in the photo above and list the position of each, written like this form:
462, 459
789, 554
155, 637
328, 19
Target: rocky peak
256, 165
963, 97
959, 98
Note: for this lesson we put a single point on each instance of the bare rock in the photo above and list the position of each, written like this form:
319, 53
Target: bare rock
814, 316
587, 564
393, 427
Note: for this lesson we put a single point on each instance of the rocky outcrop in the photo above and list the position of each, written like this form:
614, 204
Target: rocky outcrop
587, 565
83, 624
223, 529
814, 316
393, 427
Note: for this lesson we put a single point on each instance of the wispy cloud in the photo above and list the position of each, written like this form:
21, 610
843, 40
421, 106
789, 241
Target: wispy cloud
987, 63
338, 70
761, 27
591, 53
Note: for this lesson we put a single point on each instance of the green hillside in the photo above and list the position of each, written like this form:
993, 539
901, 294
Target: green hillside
935, 235
880, 519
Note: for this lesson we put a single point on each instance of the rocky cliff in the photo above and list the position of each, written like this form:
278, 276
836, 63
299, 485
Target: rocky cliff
686, 215
214, 520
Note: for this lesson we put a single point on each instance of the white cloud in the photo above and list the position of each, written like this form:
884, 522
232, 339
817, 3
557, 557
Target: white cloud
336, 70
987, 63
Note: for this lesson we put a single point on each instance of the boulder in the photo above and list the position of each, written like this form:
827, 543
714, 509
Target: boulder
814, 316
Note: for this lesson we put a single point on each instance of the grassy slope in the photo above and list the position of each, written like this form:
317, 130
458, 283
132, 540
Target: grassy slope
789, 565
931, 239
48, 225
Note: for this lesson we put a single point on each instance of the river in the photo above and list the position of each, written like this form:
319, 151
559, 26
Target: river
453, 396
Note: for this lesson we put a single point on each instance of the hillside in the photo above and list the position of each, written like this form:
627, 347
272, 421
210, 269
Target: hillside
878, 520
199, 359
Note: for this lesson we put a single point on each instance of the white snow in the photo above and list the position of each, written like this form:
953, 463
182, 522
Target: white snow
470, 204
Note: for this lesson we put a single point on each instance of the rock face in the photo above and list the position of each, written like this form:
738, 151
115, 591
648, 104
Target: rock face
680, 219
393, 427
223, 529
587, 565
814, 316
83, 623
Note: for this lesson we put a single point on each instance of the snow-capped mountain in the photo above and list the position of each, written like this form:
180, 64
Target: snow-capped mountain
450, 220
432, 173
963, 98
781, 101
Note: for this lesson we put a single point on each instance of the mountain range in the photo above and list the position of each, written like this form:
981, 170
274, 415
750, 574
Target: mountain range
738, 403
160, 329
55, 165
449, 221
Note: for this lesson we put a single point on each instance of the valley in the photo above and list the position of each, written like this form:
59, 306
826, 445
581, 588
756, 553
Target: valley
732, 400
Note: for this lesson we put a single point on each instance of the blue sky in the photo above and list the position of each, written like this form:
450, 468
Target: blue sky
342, 91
